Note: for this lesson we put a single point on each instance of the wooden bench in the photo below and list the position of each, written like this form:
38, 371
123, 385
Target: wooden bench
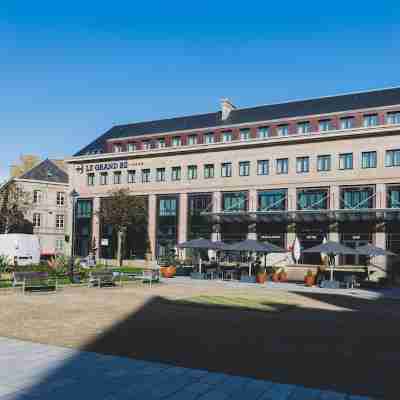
103, 278
34, 281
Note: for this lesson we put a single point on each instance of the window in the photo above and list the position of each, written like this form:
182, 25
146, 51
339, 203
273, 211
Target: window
209, 171
132, 147
235, 202
103, 178
60, 221
393, 197
302, 164
192, 172
324, 163
262, 167
283, 130
192, 140
272, 200
147, 144
244, 168
325, 125
347, 123
370, 120
145, 175
117, 177
312, 199
160, 143
60, 199
167, 207
117, 148
282, 165
263, 132
36, 220
226, 170
160, 174
176, 173
368, 159
304, 127
37, 196
132, 176
84, 209
90, 179
346, 161
209, 138
244, 134
392, 158
59, 245
176, 141
393, 117
227, 136
357, 197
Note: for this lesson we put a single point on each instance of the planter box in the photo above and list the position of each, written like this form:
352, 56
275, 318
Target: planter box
197, 275
248, 279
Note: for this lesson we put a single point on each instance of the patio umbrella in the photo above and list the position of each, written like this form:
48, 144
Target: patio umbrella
373, 251
256, 246
332, 249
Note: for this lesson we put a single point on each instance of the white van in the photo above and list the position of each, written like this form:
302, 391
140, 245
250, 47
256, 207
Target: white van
21, 249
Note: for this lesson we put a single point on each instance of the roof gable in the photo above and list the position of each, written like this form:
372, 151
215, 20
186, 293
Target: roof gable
46, 171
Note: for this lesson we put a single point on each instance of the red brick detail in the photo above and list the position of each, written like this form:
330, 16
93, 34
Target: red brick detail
382, 118
273, 131
293, 128
253, 132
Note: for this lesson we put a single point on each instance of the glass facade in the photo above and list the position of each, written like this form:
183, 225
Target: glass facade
312, 199
167, 224
234, 201
83, 227
272, 200
198, 224
357, 197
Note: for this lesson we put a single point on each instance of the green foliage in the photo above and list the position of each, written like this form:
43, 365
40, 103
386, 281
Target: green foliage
4, 263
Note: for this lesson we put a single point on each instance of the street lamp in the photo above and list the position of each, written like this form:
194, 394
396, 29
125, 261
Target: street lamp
73, 196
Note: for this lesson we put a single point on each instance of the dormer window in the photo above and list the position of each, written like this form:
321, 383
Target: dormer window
117, 148
146, 145
244, 134
209, 138
303, 128
227, 137
192, 140
161, 143
370, 120
132, 147
283, 130
263, 132
176, 141
347, 123
325, 125
393, 117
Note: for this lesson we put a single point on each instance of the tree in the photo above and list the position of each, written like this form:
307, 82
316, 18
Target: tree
14, 203
122, 211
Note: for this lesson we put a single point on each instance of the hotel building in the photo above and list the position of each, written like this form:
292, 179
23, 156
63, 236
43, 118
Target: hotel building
318, 168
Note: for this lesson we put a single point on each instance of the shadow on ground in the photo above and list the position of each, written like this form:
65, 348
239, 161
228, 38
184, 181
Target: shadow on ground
355, 351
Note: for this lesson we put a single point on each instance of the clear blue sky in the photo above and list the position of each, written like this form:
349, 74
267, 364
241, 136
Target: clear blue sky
69, 70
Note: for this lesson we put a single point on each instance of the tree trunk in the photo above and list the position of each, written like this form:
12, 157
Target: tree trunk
119, 248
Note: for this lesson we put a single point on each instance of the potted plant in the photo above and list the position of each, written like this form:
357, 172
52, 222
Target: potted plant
275, 275
309, 278
283, 277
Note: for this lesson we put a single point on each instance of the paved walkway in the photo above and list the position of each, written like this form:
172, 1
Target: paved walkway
36, 371
390, 293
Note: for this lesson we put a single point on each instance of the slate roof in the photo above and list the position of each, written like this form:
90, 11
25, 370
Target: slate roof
300, 108
47, 171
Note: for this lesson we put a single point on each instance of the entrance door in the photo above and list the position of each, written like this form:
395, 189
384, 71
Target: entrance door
354, 259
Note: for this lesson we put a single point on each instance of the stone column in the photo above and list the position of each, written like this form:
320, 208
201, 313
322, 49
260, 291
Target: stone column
291, 206
334, 202
183, 218
252, 208
152, 223
380, 235
96, 239
216, 207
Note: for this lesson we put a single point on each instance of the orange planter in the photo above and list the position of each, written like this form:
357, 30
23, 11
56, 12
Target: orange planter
168, 272
261, 278
283, 277
275, 277
309, 280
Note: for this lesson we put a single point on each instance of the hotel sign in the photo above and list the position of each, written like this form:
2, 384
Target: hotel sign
107, 166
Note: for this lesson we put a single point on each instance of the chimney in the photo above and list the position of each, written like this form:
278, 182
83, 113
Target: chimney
226, 108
